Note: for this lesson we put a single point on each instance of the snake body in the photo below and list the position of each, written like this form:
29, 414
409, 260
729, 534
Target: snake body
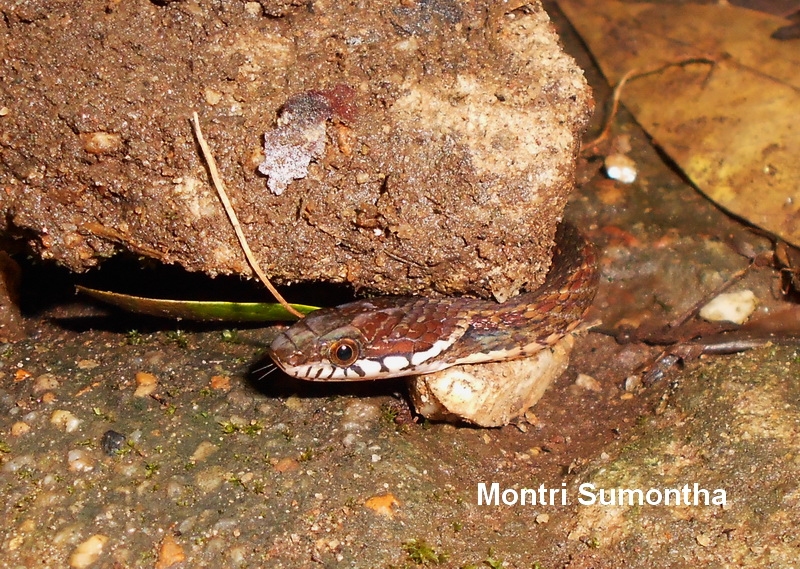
411, 335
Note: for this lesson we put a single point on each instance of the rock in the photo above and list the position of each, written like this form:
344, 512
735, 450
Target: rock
87, 552
444, 140
733, 307
493, 394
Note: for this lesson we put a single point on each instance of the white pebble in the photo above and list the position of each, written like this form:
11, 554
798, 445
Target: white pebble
621, 168
588, 382
80, 461
64, 420
18, 462
733, 307
87, 552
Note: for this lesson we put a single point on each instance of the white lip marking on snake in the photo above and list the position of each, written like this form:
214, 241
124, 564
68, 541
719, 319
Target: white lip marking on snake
395, 363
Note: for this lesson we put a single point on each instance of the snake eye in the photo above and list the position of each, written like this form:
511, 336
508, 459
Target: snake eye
343, 352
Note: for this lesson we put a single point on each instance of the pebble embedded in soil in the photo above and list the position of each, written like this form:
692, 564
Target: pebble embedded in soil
45, 382
145, 384
170, 553
112, 442
588, 382
87, 552
65, 420
80, 461
20, 428
101, 142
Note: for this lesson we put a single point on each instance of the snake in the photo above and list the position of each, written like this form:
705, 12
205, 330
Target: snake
396, 336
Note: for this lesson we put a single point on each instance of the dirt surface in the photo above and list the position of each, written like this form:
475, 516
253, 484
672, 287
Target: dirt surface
404, 144
224, 466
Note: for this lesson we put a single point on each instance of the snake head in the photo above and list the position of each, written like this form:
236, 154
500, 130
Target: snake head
362, 340
316, 348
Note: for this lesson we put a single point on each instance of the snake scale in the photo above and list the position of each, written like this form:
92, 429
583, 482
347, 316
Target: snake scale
396, 336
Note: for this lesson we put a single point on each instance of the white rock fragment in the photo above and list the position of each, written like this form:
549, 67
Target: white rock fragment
588, 382
489, 394
80, 461
703, 539
87, 552
621, 168
733, 307
64, 420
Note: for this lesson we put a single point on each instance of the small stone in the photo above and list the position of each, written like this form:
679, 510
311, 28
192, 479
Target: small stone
286, 465
45, 382
19, 428
112, 442
64, 420
588, 382
383, 504
203, 451
100, 142
146, 384
80, 461
294, 403
703, 540
87, 552
222, 382
359, 415
212, 96
253, 9
633, 383
209, 479
170, 553
621, 168
542, 519
21, 375
87, 364
733, 307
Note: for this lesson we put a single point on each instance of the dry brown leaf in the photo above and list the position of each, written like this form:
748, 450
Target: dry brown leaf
729, 118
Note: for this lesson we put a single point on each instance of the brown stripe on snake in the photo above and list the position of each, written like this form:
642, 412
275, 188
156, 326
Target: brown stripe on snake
396, 336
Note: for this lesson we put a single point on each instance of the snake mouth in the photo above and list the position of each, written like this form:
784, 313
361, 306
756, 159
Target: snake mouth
283, 350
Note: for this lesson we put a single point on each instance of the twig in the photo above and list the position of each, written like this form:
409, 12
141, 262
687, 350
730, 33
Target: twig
223, 196
612, 113
637, 73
